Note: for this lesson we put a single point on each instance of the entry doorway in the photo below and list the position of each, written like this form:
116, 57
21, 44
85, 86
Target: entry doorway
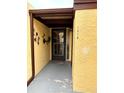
58, 44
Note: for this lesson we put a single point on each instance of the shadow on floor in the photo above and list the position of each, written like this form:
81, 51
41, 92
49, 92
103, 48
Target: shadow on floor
54, 78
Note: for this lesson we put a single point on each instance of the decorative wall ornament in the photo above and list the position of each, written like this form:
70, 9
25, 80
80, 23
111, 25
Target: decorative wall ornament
36, 38
46, 40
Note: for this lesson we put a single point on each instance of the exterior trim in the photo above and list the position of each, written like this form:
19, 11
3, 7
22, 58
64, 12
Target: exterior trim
84, 1
85, 4
52, 11
32, 49
29, 81
72, 48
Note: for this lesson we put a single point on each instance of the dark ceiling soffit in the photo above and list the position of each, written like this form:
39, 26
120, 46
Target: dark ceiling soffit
60, 25
56, 23
85, 4
39, 14
49, 15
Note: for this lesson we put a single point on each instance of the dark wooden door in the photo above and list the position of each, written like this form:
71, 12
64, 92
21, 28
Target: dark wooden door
58, 44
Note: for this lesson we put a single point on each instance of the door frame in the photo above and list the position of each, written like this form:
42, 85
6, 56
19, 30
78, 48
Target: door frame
64, 30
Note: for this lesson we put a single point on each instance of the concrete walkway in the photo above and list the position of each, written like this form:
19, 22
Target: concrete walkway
54, 78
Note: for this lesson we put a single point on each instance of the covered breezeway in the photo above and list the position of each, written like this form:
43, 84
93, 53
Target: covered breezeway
57, 19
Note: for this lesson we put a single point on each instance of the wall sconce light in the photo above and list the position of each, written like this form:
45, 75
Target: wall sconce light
46, 40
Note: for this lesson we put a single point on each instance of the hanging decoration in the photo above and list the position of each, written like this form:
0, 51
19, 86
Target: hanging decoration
36, 38
46, 39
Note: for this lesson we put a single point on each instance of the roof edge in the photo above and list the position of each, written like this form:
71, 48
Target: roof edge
85, 4
49, 11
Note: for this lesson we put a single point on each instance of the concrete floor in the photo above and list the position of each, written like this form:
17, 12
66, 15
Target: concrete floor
54, 78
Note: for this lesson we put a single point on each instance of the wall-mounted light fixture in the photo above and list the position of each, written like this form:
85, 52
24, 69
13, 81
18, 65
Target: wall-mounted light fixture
46, 40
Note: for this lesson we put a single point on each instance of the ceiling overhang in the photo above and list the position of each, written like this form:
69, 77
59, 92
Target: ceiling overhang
62, 17
54, 17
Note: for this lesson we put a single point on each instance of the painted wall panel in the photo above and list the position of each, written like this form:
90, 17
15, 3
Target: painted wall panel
29, 65
42, 50
84, 51
68, 44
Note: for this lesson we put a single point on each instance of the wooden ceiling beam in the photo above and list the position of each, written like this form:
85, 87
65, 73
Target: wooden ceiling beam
56, 22
50, 15
60, 25
59, 22
52, 11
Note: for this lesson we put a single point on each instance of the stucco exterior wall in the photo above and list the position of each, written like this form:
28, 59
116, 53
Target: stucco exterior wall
41, 50
29, 65
84, 51
68, 44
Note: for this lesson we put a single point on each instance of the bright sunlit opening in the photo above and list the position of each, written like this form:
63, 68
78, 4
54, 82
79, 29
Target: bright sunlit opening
45, 4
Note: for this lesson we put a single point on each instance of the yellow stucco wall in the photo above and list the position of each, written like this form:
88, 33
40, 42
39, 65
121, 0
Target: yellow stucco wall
84, 51
42, 51
29, 65
70, 45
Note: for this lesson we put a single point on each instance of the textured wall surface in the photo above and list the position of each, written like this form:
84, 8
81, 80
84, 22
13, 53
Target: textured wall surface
68, 44
84, 51
29, 65
42, 51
